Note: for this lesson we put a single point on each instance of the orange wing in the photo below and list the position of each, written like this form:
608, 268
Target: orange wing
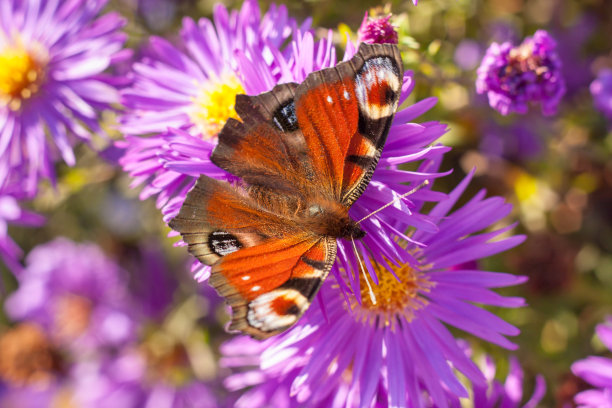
345, 113
323, 136
267, 268
270, 285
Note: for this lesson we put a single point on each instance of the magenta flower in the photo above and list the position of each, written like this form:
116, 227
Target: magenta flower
52, 56
513, 77
377, 30
393, 337
597, 371
601, 89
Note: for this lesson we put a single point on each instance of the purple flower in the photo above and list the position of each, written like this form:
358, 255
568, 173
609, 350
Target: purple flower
512, 77
79, 338
52, 55
377, 30
510, 393
601, 89
597, 371
390, 335
75, 293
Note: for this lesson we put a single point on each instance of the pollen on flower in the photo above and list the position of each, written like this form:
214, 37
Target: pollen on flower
384, 304
21, 74
27, 357
215, 104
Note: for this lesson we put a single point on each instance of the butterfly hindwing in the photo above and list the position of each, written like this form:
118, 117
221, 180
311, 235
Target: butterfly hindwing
270, 285
216, 219
267, 270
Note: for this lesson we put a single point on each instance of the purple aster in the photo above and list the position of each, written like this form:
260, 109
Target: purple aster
508, 394
75, 293
597, 371
80, 341
393, 336
601, 89
513, 77
52, 56
377, 30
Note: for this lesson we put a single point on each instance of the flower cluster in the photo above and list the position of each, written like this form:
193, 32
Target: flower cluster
379, 331
515, 76
79, 338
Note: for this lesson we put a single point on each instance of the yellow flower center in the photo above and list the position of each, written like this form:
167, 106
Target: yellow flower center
385, 303
21, 74
214, 104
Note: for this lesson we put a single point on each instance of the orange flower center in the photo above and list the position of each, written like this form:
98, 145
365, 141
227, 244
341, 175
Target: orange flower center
391, 299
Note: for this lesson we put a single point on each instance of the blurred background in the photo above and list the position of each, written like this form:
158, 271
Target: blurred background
556, 171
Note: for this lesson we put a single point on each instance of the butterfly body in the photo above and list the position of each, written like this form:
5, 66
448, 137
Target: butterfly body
303, 153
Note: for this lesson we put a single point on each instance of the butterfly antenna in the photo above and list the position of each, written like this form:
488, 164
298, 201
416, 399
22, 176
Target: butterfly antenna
414, 190
365, 274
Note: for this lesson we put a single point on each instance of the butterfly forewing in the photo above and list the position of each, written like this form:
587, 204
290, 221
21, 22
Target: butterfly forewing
345, 113
316, 142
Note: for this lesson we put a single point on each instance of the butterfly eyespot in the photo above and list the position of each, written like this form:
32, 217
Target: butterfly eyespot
276, 309
377, 85
284, 117
223, 243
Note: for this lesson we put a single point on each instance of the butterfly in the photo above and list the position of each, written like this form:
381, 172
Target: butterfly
303, 154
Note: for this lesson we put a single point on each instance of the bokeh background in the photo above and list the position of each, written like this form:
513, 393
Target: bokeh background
556, 171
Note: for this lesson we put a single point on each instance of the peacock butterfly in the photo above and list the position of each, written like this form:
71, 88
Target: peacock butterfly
304, 153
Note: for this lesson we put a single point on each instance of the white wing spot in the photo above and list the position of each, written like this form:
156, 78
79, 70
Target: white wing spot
329, 99
346, 95
255, 288
246, 278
